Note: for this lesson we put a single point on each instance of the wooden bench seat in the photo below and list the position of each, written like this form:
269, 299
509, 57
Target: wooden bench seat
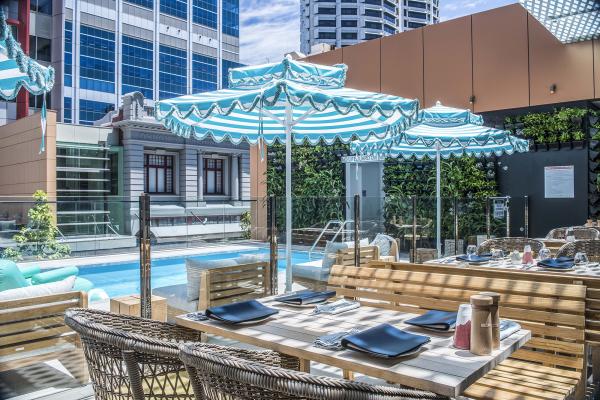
549, 366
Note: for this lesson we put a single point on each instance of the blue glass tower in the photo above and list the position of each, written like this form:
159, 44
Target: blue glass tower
160, 48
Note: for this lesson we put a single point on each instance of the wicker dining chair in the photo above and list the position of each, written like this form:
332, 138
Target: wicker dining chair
580, 232
590, 247
508, 244
219, 373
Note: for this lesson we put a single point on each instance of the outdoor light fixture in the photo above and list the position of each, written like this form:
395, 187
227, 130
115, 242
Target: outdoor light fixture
553, 88
471, 99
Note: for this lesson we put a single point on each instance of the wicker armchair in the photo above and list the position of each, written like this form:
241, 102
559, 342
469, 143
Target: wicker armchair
590, 247
509, 244
580, 232
219, 373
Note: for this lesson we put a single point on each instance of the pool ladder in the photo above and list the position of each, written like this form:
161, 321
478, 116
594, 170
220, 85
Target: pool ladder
341, 229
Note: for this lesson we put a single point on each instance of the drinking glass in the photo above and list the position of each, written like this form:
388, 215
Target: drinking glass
581, 258
544, 254
471, 251
497, 254
515, 257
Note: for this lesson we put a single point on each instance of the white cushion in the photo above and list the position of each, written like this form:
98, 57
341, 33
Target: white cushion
176, 296
45, 289
312, 270
331, 249
194, 269
252, 258
384, 242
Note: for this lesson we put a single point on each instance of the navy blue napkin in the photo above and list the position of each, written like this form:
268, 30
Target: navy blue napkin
435, 319
384, 341
557, 263
304, 297
475, 259
245, 311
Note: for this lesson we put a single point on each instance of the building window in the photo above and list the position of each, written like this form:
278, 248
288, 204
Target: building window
175, 8
373, 2
97, 59
326, 10
172, 72
39, 48
204, 73
390, 6
41, 6
370, 36
213, 176
389, 30
349, 11
349, 23
226, 65
414, 25
38, 101
67, 112
158, 173
372, 25
349, 35
144, 3
327, 35
137, 66
389, 18
204, 12
327, 22
91, 111
416, 4
413, 14
68, 53
372, 13
231, 17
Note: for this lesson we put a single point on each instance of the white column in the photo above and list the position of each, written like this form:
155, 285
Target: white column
200, 176
288, 197
235, 177
438, 202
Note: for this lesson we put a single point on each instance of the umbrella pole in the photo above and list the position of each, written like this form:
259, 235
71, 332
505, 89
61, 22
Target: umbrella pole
438, 205
288, 197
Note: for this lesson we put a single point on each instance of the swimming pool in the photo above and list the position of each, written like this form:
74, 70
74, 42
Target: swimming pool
119, 279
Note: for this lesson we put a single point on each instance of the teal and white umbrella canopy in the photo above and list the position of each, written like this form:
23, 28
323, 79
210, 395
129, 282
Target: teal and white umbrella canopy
17, 70
440, 132
284, 102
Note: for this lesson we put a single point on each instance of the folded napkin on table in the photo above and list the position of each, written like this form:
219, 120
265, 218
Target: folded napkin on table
557, 263
333, 341
507, 328
385, 341
435, 319
336, 307
475, 259
245, 311
304, 297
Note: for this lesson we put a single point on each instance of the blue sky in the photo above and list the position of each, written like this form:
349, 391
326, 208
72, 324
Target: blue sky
270, 28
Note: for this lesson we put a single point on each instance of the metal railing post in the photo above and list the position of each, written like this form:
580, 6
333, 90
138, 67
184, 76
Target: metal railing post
272, 212
145, 287
414, 229
356, 230
527, 216
455, 226
507, 216
488, 219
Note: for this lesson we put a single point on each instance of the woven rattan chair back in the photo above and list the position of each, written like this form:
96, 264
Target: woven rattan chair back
590, 247
509, 244
219, 373
580, 232
132, 358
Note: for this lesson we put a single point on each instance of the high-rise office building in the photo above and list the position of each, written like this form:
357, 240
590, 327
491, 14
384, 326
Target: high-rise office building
102, 49
346, 22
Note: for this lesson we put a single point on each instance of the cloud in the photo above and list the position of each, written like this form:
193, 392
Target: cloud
268, 29
458, 8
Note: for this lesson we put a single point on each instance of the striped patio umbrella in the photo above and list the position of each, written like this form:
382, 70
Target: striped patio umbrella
441, 132
18, 71
281, 102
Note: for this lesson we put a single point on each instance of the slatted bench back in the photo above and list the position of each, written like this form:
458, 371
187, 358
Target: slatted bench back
237, 283
553, 312
367, 254
34, 325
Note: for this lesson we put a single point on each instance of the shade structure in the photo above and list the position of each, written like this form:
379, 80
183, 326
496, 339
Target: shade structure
17, 70
441, 132
284, 102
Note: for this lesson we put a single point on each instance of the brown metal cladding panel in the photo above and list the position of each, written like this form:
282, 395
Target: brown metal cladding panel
364, 61
402, 64
500, 59
569, 66
597, 68
328, 58
448, 63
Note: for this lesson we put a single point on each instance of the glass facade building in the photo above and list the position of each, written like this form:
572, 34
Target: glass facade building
341, 23
102, 50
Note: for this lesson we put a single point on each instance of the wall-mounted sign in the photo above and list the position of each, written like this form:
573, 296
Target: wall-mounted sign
499, 208
559, 182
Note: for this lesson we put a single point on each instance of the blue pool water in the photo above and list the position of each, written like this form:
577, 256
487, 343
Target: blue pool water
119, 279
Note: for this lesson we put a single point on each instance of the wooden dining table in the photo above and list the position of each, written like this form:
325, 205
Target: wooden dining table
438, 367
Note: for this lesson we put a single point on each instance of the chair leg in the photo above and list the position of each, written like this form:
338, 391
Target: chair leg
74, 362
133, 371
